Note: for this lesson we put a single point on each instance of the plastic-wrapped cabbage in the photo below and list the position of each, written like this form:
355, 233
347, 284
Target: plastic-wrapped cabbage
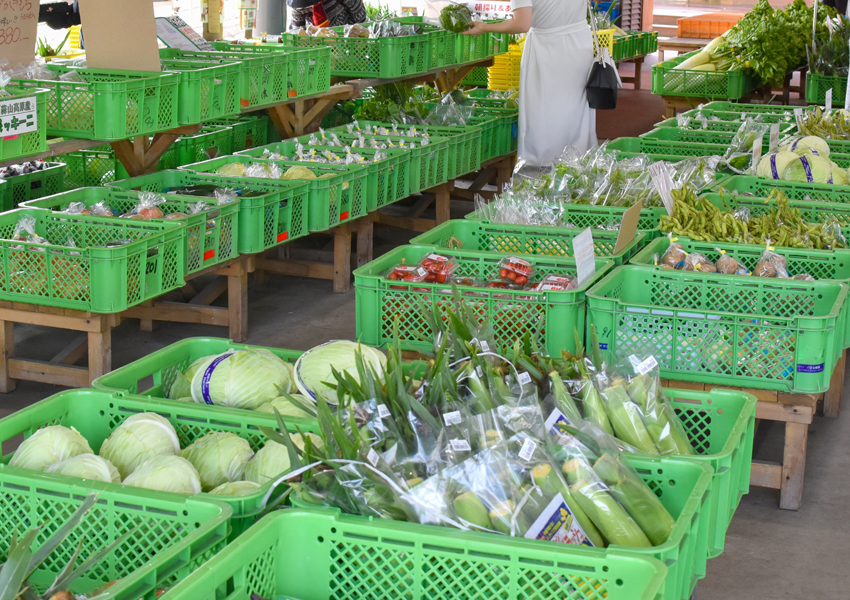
86, 466
298, 172
772, 165
235, 488
798, 144
49, 445
286, 408
839, 175
328, 175
809, 168
182, 386
219, 457
241, 379
169, 473
138, 439
269, 462
313, 369
234, 169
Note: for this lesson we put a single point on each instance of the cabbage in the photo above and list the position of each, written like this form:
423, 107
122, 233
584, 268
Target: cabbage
799, 143
236, 488
298, 172
839, 175
168, 473
328, 175
809, 168
313, 368
86, 466
49, 445
287, 408
235, 169
241, 379
138, 439
219, 457
182, 385
269, 462
773, 165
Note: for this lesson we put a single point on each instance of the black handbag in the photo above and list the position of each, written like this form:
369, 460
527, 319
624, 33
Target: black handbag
603, 82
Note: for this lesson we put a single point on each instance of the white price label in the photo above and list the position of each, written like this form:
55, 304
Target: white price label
479, 371
584, 256
383, 411
757, 146
484, 346
452, 418
798, 116
634, 360
828, 100
373, 457
460, 445
524, 378
18, 116
646, 366
663, 183
774, 137
527, 450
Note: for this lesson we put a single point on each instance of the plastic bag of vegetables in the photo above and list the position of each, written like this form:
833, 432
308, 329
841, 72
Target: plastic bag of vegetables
456, 18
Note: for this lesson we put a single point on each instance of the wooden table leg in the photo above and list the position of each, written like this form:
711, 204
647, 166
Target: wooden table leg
342, 258
100, 351
7, 351
793, 465
365, 240
504, 172
832, 397
638, 67
146, 324
443, 200
237, 305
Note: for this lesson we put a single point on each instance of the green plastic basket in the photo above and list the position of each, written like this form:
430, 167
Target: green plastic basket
96, 414
581, 216
99, 166
489, 136
717, 125
663, 143
720, 425
211, 142
209, 89
109, 105
249, 131
762, 333
817, 86
90, 276
750, 108
726, 85
523, 239
732, 115
209, 237
794, 190
271, 212
477, 76
551, 318
313, 553
332, 200
309, 71
29, 186
172, 535
33, 142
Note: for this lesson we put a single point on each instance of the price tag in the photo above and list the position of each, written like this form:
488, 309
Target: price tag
373, 457
757, 146
634, 360
479, 371
828, 100
484, 346
460, 445
798, 116
646, 366
18, 116
774, 137
524, 378
18, 32
452, 418
527, 450
663, 183
584, 256
383, 411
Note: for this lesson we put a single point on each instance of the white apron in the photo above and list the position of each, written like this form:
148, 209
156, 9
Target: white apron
553, 109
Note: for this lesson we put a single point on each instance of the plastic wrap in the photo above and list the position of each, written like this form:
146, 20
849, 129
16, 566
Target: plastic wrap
771, 264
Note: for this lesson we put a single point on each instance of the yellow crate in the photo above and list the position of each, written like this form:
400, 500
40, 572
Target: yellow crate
74, 38
605, 39
504, 74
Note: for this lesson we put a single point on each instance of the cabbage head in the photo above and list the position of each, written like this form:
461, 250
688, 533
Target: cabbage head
287, 408
839, 175
234, 169
800, 143
167, 473
241, 379
137, 440
313, 368
809, 168
298, 172
49, 445
219, 457
86, 466
236, 488
773, 165
268, 463
182, 385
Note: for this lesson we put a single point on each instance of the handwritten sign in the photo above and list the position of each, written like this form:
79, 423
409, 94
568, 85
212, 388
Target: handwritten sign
18, 116
18, 31
496, 10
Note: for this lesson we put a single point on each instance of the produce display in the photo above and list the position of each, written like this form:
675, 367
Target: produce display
456, 18
830, 125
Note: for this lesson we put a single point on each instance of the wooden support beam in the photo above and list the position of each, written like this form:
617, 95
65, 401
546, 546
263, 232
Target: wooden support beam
73, 352
210, 293
100, 353
141, 155
237, 306
7, 351
365, 240
764, 474
342, 258
297, 268
832, 397
793, 465
45, 372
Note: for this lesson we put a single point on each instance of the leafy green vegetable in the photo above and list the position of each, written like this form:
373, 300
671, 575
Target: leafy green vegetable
456, 18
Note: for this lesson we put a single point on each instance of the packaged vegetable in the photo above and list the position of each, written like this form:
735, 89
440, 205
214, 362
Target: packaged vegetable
675, 255
515, 270
729, 265
148, 206
698, 262
771, 264
439, 267
803, 277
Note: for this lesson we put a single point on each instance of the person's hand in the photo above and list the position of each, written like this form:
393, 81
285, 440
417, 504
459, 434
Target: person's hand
478, 28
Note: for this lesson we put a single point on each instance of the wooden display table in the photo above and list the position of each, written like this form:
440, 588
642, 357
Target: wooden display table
633, 79
677, 44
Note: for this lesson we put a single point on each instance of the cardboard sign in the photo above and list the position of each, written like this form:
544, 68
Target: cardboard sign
774, 137
120, 35
18, 31
628, 226
828, 100
584, 255
18, 116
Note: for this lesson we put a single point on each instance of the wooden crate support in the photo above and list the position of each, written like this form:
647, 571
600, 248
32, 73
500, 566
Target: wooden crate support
497, 171
198, 308
95, 341
633, 79
440, 197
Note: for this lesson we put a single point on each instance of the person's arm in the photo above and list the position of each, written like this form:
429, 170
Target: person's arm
299, 17
521, 23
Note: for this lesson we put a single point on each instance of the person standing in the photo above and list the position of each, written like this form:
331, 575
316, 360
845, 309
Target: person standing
556, 62
326, 13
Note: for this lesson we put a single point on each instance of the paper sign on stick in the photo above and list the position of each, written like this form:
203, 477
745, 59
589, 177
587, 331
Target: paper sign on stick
628, 226
18, 31
120, 35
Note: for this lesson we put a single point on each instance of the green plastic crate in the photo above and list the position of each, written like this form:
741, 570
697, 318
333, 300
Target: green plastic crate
99, 166
20, 188
208, 89
817, 86
332, 200
716, 125
477, 76
765, 333
271, 212
313, 553
720, 425
489, 136
794, 190
209, 237
33, 142
211, 142
551, 318
309, 71
522, 239
624, 47
109, 105
174, 535
96, 414
731, 115
90, 276
581, 216
666, 144
469, 49
722, 105
247, 132
726, 85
